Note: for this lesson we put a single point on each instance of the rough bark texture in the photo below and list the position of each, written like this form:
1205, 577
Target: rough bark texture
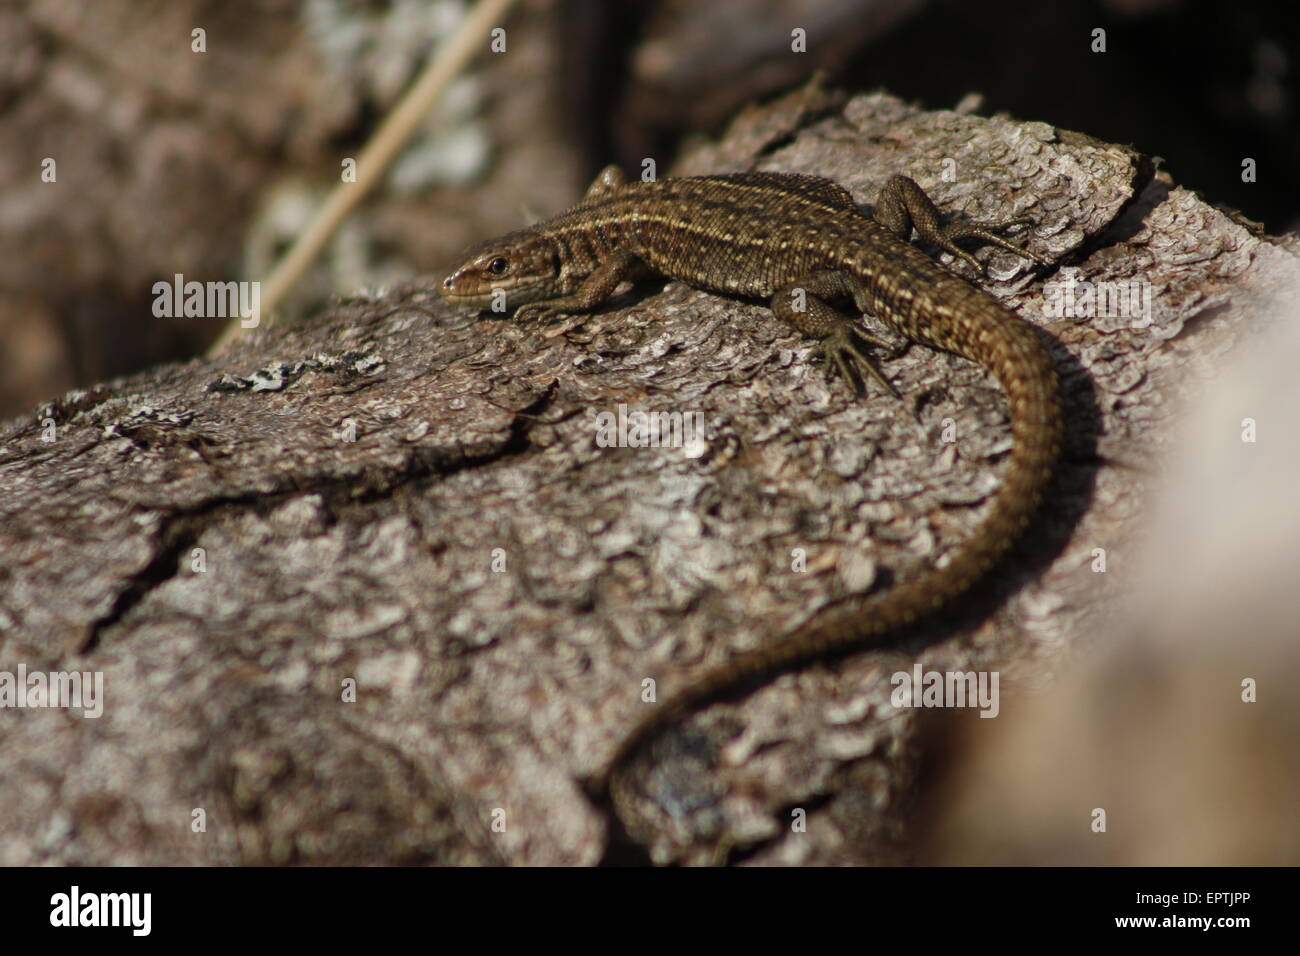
490, 683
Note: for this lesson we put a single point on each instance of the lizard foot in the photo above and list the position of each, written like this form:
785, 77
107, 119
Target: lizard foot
848, 353
536, 313
948, 235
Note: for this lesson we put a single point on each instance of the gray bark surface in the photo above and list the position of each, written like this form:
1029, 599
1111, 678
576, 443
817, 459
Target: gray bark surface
487, 691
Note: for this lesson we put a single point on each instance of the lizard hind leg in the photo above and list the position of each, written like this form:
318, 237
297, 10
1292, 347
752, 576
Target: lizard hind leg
845, 347
903, 206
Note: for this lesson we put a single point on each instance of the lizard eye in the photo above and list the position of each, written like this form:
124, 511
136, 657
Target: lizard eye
497, 266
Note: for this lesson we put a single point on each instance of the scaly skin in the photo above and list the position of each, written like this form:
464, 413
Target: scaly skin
799, 242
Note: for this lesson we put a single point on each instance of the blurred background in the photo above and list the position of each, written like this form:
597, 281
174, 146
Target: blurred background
209, 164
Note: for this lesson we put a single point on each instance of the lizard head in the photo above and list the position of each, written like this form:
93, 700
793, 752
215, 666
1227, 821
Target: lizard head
523, 266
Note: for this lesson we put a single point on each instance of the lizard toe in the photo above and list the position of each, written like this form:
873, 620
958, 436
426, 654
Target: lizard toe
534, 314
847, 355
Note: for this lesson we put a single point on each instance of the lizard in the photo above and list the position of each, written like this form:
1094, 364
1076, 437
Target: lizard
800, 243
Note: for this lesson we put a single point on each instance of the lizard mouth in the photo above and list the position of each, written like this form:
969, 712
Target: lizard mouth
515, 293
459, 295
455, 291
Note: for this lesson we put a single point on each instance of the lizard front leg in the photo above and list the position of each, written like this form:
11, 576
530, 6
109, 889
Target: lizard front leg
804, 305
619, 266
903, 205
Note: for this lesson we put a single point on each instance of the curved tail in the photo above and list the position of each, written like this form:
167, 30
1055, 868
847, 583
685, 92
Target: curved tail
1002, 342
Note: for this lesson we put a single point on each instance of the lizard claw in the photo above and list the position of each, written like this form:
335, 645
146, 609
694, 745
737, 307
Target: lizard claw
535, 313
985, 232
848, 353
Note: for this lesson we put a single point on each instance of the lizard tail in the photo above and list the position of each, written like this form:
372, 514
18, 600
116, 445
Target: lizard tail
1023, 366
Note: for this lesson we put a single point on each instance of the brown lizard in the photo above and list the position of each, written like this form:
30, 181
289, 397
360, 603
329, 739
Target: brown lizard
799, 242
